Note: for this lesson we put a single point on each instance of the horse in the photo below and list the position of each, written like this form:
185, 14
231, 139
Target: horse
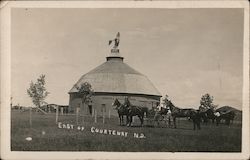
163, 114
227, 116
135, 111
208, 114
150, 115
189, 113
121, 110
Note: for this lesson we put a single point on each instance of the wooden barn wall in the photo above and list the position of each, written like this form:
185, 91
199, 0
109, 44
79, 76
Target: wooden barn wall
103, 103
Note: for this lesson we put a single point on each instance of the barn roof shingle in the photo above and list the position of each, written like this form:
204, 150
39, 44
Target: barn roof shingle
115, 76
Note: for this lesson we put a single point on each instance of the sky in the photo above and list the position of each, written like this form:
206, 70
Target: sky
186, 53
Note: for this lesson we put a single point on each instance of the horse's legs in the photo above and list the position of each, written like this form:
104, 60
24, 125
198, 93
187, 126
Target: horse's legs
217, 121
156, 121
127, 120
123, 120
128, 124
194, 123
169, 122
130, 120
141, 119
174, 121
227, 121
120, 120
198, 124
206, 121
166, 121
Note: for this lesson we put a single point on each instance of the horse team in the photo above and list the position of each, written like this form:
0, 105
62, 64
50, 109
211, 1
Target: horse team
129, 111
171, 113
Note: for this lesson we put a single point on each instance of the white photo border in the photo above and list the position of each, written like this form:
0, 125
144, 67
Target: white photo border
6, 152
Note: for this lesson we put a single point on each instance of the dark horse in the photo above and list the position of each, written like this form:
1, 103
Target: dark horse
135, 111
208, 114
227, 116
189, 113
122, 111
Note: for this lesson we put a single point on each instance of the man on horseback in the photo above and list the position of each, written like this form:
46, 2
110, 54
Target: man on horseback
131, 107
121, 110
161, 107
134, 110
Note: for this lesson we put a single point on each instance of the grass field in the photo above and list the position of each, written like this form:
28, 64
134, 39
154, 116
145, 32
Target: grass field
47, 136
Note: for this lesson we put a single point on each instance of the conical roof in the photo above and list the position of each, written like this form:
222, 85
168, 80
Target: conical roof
115, 76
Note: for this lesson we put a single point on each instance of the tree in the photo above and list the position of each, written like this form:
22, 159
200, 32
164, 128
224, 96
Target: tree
38, 92
206, 102
86, 92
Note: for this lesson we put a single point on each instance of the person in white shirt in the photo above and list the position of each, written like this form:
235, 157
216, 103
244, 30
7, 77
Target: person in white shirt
168, 117
159, 107
217, 114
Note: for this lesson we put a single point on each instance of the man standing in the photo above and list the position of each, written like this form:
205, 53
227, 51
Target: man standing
196, 117
169, 116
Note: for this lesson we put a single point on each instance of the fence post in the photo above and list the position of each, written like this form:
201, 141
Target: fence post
109, 113
95, 116
77, 112
30, 117
93, 112
82, 113
61, 110
56, 114
133, 119
103, 117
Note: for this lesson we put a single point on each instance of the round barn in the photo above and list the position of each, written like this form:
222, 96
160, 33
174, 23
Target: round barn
115, 79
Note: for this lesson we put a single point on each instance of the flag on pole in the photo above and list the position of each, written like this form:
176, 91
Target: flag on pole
118, 35
110, 41
116, 40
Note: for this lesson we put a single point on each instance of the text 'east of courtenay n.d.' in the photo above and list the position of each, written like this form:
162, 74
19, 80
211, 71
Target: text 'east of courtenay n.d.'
96, 130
